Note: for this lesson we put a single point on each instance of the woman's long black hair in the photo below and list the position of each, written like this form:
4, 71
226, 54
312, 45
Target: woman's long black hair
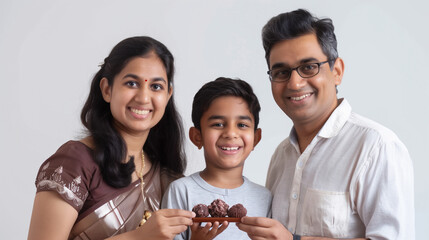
164, 144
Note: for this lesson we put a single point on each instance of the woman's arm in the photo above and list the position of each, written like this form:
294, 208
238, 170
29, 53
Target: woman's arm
52, 217
164, 224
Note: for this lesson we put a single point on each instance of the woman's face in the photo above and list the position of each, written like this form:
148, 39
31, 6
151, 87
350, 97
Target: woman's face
139, 95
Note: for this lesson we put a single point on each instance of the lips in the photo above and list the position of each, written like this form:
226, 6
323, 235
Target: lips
140, 112
229, 148
301, 97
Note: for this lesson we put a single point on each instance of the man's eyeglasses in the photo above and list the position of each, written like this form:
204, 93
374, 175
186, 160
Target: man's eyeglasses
306, 70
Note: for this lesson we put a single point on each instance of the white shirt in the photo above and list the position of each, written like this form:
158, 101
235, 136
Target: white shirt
355, 179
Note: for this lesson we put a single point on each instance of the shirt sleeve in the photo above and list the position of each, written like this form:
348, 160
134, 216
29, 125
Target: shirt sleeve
175, 198
385, 192
65, 173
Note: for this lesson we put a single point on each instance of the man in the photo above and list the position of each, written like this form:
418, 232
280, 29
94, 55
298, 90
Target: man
338, 175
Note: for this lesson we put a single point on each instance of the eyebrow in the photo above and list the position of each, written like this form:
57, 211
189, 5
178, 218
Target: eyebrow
156, 79
241, 117
305, 60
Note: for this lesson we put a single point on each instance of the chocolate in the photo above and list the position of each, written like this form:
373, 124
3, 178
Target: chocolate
237, 211
201, 210
218, 208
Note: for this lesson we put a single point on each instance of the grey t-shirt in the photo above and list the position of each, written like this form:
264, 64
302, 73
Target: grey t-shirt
187, 192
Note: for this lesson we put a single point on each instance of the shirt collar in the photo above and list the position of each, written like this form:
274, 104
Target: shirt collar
337, 120
332, 126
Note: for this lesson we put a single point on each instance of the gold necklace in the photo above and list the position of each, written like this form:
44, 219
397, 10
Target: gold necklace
146, 213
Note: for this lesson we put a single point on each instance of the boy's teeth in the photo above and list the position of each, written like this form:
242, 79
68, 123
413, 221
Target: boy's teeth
301, 97
229, 148
140, 112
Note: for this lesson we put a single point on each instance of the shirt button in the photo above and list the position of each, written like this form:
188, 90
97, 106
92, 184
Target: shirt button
300, 164
294, 196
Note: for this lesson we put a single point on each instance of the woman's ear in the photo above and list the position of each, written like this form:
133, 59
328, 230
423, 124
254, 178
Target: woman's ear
106, 90
170, 91
196, 137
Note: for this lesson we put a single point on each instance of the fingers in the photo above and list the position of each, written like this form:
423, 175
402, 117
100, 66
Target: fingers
176, 213
258, 221
222, 227
263, 228
209, 231
195, 226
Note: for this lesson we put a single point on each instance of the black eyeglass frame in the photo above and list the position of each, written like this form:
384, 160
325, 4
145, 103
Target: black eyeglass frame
296, 69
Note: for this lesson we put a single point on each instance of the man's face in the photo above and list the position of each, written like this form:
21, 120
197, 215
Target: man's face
305, 100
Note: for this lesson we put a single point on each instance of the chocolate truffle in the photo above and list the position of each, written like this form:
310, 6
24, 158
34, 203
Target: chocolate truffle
201, 210
237, 211
218, 208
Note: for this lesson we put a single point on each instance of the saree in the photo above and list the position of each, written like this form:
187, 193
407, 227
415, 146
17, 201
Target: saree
103, 211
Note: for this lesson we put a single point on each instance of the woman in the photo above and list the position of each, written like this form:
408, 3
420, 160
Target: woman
100, 186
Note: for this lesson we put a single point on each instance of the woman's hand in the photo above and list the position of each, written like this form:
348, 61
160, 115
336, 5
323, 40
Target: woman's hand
165, 224
205, 233
258, 228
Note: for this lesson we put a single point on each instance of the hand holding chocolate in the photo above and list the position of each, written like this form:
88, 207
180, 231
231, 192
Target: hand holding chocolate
218, 210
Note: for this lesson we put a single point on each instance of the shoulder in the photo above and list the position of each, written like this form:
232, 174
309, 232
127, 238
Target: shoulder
281, 148
72, 155
183, 181
257, 187
69, 172
372, 132
167, 177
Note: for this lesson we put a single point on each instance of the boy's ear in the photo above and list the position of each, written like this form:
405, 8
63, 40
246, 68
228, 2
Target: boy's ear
196, 137
258, 136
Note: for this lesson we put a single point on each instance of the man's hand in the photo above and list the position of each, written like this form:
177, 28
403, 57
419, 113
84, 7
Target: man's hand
258, 228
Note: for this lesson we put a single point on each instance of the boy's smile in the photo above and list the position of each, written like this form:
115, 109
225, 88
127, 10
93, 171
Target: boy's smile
227, 133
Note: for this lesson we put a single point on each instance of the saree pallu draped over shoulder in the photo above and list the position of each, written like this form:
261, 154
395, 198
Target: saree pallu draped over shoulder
119, 215
103, 211
124, 212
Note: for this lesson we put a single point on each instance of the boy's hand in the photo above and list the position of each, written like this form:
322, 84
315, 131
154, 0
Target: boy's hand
205, 233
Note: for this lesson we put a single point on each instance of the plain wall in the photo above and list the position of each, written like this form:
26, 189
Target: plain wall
49, 51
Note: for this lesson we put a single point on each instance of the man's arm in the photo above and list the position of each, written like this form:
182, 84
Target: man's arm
258, 228
383, 194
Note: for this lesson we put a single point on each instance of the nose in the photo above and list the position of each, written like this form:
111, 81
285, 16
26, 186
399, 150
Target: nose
230, 131
295, 81
143, 93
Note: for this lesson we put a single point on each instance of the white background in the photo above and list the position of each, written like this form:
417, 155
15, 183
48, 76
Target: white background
49, 51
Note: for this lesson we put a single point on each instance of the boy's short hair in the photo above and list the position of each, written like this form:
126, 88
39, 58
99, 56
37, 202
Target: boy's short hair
222, 87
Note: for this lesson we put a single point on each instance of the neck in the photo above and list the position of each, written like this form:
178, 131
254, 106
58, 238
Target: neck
305, 136
220, 178
306, 131
134, 143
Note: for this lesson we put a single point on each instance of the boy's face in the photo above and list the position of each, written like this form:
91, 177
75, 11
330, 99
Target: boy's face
227, 133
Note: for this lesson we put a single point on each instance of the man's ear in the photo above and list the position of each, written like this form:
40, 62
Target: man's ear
106, 90
257, 138
196, 137
338, 71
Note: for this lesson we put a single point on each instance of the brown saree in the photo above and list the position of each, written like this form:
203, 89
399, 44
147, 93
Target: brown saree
104, 211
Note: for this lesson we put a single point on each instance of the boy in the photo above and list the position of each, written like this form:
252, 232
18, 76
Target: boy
225, 113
